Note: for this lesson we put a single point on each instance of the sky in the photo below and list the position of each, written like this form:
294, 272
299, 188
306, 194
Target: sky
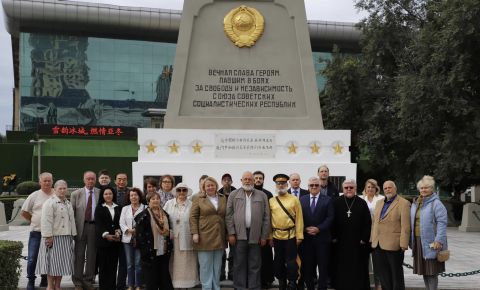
330, 10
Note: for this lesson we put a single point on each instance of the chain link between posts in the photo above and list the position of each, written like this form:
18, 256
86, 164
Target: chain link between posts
475, 272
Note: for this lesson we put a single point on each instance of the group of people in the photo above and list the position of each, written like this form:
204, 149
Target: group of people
171, 238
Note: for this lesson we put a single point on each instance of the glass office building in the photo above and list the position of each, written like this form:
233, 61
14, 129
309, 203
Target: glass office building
73, 80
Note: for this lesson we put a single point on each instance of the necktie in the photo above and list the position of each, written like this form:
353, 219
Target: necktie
88, 210
295, 192
312, 206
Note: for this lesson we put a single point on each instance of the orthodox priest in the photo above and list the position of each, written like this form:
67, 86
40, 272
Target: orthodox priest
351, 236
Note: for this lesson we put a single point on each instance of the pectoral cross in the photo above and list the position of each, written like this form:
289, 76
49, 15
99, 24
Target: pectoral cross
349, 213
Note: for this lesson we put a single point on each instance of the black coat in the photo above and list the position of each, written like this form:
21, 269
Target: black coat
302, 192
144, 236
105, 223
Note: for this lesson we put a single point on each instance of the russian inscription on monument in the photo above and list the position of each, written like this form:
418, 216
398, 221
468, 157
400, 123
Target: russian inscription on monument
243, 65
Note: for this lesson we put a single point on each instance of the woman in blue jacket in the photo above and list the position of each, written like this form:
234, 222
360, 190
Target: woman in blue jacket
429, 232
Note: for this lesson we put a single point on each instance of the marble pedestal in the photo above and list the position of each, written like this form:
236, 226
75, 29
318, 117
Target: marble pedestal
190, 153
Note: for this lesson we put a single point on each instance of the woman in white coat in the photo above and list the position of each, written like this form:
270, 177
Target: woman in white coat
135, 205
183, 264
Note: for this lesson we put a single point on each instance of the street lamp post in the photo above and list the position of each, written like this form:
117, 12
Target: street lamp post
39, 152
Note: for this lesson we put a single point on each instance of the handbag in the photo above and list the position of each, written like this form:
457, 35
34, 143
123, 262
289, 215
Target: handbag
443, 256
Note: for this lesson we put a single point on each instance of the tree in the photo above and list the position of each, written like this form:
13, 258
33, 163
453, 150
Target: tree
411, 98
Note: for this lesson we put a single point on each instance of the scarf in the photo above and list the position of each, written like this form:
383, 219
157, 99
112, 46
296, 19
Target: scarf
159, 222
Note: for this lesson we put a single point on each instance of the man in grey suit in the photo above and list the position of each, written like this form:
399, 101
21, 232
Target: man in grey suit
248, 226
84, 201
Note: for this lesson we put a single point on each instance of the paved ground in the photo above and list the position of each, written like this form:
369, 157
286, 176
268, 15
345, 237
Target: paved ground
465, 256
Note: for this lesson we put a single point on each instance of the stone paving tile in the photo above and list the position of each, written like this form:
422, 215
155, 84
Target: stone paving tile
465, 256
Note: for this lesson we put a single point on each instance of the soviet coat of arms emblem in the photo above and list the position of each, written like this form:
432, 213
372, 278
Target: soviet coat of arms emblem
244, 26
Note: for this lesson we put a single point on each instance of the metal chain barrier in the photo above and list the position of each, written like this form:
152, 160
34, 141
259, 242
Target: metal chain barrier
475, 272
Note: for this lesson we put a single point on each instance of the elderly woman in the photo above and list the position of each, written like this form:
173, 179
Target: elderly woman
108, 233
153, 238
184, 263
127, 224
371, 194
167, 182
428, 220
207, 225
58, 229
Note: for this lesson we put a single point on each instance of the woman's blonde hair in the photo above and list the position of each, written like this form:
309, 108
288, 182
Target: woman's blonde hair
426, 180
209, 179
374, 183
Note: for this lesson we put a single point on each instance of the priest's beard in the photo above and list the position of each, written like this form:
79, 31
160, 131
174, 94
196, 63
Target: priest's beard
247, 187
281, 191
259, 187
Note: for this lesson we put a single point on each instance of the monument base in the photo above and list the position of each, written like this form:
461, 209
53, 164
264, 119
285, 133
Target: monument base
190, 153
3, 221
470, 218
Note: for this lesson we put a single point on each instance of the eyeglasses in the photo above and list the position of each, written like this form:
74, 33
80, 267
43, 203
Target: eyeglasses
314, 185
182, 190
348, 187
280, 182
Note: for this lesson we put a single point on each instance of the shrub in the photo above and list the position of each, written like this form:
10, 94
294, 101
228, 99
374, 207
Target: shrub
10, 254
27, 187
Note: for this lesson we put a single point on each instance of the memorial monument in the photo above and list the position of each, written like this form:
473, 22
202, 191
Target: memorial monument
243, 97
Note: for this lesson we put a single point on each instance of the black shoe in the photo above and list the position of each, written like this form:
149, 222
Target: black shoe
31, 285
222, 278
266, 285
282, 284
292, 285
44, 282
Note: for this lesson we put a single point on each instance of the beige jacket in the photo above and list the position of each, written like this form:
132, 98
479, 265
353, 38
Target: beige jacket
58, 218
393, 231
208, 222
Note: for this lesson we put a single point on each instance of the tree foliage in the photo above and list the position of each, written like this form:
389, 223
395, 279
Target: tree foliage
411, 98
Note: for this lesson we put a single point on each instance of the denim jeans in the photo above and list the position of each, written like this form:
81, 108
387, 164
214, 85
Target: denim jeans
33, 247
210, 263
134, 270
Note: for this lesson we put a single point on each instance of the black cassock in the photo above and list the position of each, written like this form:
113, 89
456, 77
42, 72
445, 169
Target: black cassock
350, 259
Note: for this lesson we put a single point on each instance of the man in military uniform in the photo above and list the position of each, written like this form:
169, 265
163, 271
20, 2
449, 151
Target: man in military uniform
287, 233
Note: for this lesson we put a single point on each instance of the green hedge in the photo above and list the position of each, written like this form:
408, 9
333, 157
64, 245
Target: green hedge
10, 252
27, 187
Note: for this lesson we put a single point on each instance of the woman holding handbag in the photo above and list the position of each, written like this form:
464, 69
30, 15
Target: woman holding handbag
429, 233
134, 207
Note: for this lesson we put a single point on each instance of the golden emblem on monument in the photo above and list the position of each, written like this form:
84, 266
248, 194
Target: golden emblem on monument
244, 26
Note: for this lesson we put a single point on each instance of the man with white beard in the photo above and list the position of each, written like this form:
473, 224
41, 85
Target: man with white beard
248, 226
287, 233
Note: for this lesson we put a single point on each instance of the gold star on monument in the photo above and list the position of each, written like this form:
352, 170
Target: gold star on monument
174, 148
337, 149
292, 149
150, 147
197, 148
315, 149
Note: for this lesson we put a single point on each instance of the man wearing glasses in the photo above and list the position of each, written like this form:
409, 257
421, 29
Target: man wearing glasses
287, 233
318, 213
351, 236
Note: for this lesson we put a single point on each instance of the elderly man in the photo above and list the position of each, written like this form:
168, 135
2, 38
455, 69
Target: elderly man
287, 233
32, 212
390, 237
295, 186
326, 187
248, 226
121, 183
350, 235
317, 212
83, 202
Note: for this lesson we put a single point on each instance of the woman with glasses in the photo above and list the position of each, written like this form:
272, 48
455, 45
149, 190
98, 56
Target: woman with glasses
351, 236
184, 262
167, 183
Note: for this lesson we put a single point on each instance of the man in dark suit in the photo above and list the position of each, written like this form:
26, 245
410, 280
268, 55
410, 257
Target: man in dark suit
295, 186
83, 202
326, 187
318, 214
